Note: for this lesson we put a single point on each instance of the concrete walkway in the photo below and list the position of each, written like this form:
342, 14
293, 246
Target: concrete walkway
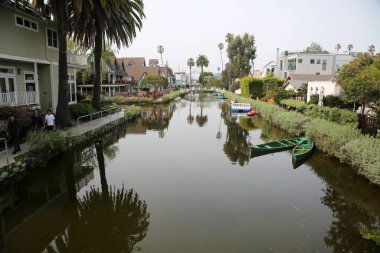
75, 130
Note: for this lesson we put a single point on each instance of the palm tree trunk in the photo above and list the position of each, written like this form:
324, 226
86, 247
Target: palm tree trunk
190, 76
162, 60
63, 111
98, 68
202, 74
221, 58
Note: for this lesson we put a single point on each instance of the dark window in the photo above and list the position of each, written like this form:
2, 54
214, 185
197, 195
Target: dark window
317, 73
324, 65
312, 61
281, 62
19, 21
292, 65
52, 38
34, 26
27, 23
319, 61
299, 60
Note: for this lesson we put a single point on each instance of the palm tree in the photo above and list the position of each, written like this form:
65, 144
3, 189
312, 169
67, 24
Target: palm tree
221, 46
115, 21
161, 50
202, 62
338, 47
190, 63
350, 47
371, 49
190, 118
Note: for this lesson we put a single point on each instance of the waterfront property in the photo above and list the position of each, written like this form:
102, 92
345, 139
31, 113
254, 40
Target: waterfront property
322, 88
29, 59
296, 81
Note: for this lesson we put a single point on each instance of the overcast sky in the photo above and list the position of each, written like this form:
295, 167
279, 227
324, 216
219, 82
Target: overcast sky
187, 28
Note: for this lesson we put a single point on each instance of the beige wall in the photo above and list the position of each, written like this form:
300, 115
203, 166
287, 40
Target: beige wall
19, 67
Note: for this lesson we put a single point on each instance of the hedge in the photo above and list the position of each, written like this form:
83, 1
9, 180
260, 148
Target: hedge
342, 141
298, 105
251, 87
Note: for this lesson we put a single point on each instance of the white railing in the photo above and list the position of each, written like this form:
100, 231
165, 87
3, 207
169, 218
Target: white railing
19, 98
105, 116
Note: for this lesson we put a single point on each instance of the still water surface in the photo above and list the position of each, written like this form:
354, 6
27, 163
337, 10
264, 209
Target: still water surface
180, 179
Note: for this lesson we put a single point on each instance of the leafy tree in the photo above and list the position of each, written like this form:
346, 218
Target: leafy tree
279, 93
360, 80
202, 62
338, 47
314, 47
160, 50
155, 81
270, 81
229, 38
190, 64
314, 99
371, 49
115, 21
206, 77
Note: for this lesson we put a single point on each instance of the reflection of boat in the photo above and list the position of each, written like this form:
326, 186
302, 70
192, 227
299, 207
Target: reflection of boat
303, 150
275, 146
251, 113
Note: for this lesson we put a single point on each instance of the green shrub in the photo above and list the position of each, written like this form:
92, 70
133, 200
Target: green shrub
120, 100
169, 97
251, 87
81, 109
348, 117
314, 99
333, 101
132, 111
330, 137
363, 154
316, 111
292, 122
292, 103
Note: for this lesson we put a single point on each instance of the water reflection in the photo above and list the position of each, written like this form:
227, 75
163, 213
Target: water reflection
157, 118
190, 118
236, 146
42, 209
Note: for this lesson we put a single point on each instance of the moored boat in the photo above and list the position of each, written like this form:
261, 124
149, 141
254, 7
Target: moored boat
251, 113
275, 146
303, 150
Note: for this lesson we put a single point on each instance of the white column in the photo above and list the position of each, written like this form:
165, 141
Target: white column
52, 88
37, 83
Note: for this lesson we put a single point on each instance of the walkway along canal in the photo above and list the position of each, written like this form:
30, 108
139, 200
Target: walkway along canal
183, 177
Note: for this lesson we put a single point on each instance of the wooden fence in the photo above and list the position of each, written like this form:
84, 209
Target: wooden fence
367, 124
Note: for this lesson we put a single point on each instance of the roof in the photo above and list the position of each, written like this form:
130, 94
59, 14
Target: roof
137, 72
153, 62
26, 7
137, 61
167, 71
270, 63
301, 77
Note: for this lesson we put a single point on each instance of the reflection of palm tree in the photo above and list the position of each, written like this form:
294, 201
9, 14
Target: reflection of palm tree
201, 119
102, 165
190, 118
219, 134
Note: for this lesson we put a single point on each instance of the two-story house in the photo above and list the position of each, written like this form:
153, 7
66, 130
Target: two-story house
29, 59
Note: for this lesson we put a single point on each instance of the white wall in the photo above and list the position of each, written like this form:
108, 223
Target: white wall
329, 87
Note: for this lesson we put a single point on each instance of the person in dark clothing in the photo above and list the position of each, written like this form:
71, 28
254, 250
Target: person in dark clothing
14, 132
36, 121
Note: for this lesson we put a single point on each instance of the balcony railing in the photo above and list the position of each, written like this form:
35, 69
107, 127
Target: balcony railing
76, 60
19, 98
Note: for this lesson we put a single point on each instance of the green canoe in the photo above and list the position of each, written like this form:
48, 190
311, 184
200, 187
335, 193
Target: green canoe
303, 150
275, 146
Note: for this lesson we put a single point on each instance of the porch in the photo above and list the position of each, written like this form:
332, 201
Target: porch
19, 98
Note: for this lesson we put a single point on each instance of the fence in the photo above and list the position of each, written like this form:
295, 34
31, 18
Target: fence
367, 124
89, 119
5, 149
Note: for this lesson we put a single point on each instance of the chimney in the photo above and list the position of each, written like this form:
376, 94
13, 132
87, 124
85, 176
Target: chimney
278, 63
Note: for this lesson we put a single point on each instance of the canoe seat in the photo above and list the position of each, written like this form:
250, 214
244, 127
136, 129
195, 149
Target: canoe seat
267, 146
283, 144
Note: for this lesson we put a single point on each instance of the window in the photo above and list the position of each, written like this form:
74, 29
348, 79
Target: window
6, 70
281, 62
26, 23
311, 88
324, 65
299, 61
30, 82
319, 61
52, 38
292, 64
71, 88
312, 61
318, 73
131, 64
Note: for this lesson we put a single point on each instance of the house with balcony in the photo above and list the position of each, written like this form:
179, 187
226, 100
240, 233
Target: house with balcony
29, 59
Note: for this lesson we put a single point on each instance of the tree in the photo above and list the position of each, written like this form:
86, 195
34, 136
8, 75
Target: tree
359, 80
229, 38
202, 62
160, 50
115, 21
221, 46
350, 47
155, 81
314, 47
190, 63
371, 49
338, 47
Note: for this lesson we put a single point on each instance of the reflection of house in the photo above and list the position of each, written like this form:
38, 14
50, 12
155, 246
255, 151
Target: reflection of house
29, 59
296, 81
324, 88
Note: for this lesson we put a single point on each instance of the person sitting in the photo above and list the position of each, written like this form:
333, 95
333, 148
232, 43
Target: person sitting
14, 132
49, 121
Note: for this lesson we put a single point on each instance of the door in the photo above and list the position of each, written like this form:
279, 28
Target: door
7, 90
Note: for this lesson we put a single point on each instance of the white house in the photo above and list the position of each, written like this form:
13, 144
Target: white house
322, 88
269, 68
296, 81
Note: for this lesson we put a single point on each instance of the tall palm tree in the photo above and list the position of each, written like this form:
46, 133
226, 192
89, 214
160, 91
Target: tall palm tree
190, 63
371, 49
338, 47
116, 21
221, 46
202, 62
350, 47
161, 50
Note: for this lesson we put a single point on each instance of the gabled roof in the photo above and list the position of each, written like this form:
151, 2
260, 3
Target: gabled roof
137, 72
153, 62
167, 71
136, 61
301, 77
270, 63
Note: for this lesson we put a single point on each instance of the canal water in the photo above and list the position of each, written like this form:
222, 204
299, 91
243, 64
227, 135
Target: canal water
180, 179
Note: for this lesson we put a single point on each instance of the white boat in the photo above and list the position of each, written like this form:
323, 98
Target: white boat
241, 107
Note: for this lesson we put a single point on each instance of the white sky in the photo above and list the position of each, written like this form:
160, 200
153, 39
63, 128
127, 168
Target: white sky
189, 28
